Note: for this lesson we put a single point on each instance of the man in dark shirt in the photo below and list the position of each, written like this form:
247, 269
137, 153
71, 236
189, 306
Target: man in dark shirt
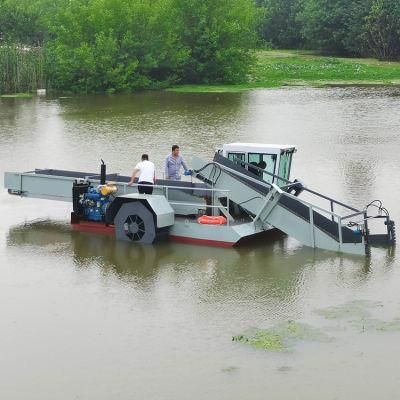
173, 164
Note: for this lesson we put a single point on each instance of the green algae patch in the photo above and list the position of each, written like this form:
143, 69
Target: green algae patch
371, 324
18, 95
357, 314
281, 337
230, 369
262, 339
292, 331
353, 309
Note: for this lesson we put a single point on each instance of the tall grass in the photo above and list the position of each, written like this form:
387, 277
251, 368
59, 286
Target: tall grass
21, 69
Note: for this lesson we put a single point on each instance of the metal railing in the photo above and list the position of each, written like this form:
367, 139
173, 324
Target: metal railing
293, 184
166, 189
311, 207
332, 202
339, 218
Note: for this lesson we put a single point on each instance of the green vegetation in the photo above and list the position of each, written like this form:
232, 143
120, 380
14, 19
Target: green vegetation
262, 339
281, 337
21, 21
368, 28
301, 68
354, 309
280, 26
284, 336
21, 69
372, 324
201, 88
229, 369
125, 45
84, 46
358, 314
18, 95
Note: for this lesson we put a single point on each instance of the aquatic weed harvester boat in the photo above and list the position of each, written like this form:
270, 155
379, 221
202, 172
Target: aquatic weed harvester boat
244, 192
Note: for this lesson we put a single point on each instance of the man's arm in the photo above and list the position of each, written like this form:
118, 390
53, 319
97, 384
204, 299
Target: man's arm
184, 165
134, 173
166, 169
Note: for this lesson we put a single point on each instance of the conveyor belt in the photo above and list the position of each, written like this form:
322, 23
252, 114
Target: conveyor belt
288, 213
297, 207
80, 175
236, 167
123, 179
325, 224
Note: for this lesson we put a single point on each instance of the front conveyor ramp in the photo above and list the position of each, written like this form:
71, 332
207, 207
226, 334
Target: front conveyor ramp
325, 224
297, 207
270, 206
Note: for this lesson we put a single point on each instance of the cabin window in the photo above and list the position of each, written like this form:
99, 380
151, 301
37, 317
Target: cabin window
264, 161
237, 156
284, 167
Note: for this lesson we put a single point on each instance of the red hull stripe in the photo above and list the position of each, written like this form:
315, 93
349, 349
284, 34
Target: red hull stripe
98, 227
94, 227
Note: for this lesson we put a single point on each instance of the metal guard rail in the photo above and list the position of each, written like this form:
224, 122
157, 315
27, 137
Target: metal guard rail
291, 183
311, 207
225, 209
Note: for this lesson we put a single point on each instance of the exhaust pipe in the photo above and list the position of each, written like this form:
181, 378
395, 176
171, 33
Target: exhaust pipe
103, 173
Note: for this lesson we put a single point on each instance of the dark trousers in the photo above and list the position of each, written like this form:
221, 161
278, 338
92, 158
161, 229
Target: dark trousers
145, 189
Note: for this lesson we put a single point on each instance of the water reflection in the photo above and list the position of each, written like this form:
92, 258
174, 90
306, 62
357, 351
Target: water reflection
270, 268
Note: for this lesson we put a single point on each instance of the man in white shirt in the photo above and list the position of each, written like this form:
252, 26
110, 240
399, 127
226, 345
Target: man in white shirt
147, 175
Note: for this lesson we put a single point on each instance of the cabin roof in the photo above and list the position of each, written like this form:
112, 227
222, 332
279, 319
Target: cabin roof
258, 147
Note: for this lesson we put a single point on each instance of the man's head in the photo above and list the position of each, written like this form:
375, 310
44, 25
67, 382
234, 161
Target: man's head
175, 150
145, 157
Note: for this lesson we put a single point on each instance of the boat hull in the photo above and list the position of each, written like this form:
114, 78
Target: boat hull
186, 231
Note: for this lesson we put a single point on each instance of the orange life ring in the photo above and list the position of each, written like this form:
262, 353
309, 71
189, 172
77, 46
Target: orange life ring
211, 220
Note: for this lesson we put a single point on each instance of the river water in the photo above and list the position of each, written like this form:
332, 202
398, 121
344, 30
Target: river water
85, 317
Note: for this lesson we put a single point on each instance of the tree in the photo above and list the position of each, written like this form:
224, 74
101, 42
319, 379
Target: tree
219, 36
102, 45
335, 26
97, 45
20, 22
281, 26
382, 29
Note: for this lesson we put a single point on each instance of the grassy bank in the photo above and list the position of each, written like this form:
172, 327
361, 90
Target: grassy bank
303, 68
22, 71
17, 96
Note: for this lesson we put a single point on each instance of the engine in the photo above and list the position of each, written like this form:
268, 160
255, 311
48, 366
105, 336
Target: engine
91, 203
95, 204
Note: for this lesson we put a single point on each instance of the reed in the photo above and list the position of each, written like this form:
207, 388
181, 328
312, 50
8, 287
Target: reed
22, 69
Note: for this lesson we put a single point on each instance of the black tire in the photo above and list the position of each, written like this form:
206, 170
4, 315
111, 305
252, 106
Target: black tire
134, 222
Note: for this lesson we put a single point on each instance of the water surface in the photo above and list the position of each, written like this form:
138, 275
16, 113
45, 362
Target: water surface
85, 317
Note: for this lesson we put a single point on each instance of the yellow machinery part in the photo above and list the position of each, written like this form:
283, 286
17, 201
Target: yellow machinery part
108, 189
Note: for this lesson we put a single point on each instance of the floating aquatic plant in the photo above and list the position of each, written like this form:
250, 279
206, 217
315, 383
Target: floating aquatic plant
262, 339
357, 314
353, 309
280, 337
371, 324
230, 369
